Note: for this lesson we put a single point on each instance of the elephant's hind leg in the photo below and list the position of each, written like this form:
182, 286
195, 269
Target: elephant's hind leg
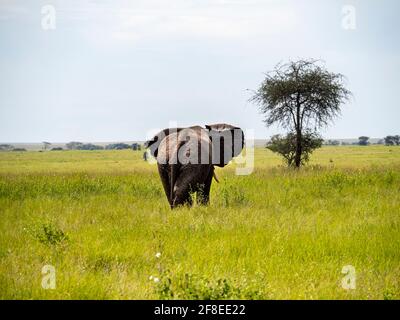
183, 188
203, 193
163, 170
182, 197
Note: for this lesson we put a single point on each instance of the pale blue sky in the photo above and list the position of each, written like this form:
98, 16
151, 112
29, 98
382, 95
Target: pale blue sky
113, 70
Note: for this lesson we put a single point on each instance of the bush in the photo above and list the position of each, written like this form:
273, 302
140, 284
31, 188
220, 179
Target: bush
392, 140
89, 146
196, 287
19, 149
73, 145
118, 146
57, 149
6, 147
363, 141
286, 146
48, 233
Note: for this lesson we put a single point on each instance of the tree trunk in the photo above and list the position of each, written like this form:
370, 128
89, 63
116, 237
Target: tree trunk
299, 142
297, 159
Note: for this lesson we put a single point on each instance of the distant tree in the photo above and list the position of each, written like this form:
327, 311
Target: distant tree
46, 145
301, 96
118, 146
286, 146
332, 142
57, 149
89, 146
392, 140
136, 146
389, 140
73, 145
6, 147
363, 141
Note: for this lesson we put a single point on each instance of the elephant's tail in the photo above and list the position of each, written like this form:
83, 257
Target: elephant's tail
172, 181
175, 166
215, 177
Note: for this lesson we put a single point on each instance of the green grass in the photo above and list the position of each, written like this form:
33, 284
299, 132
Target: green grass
99, 218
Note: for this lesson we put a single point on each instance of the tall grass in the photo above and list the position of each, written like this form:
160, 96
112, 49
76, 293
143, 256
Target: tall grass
99, 218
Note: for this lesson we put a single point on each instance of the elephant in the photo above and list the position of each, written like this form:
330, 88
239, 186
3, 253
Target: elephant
186, 158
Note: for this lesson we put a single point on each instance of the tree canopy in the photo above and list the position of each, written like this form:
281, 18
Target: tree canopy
363, 141
392, 140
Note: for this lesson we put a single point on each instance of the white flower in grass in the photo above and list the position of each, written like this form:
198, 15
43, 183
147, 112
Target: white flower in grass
151, 278
156, 280
158, 255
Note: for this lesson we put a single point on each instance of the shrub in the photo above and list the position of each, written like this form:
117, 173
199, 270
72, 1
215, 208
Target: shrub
286, 146
363, 141
73, 145
392, 140
89, 146
190, 286
48, 234
118, 146
6, 147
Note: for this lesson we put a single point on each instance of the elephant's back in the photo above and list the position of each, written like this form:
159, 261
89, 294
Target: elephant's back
190, 145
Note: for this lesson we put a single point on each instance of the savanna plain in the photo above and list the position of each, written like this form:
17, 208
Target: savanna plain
101, 219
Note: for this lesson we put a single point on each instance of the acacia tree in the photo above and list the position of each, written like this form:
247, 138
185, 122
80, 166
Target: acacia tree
392, 140
363, 141
301, 96
46, 145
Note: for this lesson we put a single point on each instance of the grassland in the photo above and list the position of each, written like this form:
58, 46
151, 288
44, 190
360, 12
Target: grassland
99, 217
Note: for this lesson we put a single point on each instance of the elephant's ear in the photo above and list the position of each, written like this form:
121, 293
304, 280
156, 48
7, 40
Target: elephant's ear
227, 142
154, 142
